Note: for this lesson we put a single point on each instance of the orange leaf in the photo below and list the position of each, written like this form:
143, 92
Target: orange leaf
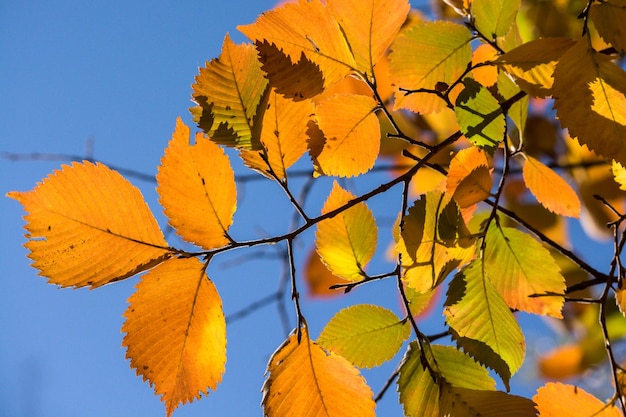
562, 362
283, 136
319, 278
557, 400
306, 28
352, 135
487, 75
197, 188
550, 189
176, 332
88, 226
369, 27
469, 180
304, 380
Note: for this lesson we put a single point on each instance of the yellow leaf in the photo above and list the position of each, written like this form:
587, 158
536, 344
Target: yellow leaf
306, 381
196, 185
619, 172
347, 241
589, 97
283, 136
369, 27
424, 54
351, 135
306, 28
533, 63
552, 191
230, 90
88, 226
469, 180
176, 332
559, 400
319, 278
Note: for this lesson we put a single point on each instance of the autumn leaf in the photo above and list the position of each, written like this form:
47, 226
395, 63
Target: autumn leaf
319, 279
303, 380
480, 115
562, 362
283, 136
523, 272
608, 18
369, 27
589, 97
88, 226
469, 178
423, 55
476, 310
552, 191
351, 135
487, 75
464, 402
347, 241
176, 332
198, 172
231, 90
533, 63
493, 18
558, 400
619, 172
366, 335
306, 28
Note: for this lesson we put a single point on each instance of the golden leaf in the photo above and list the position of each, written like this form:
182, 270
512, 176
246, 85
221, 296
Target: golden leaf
552, 191
283, 136
351, 135
557, 400
176, 332
469, 180
196, 185
88, 226
347, 241
319, 278
306, 381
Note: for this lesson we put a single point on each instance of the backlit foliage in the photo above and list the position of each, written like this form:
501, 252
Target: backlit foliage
484, 181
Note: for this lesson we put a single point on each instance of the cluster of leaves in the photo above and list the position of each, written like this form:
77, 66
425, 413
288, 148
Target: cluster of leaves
459, 106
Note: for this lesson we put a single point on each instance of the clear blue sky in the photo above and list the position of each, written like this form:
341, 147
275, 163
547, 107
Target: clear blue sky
118, 74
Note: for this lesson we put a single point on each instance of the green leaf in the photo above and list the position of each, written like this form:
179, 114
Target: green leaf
494, 18
476, 310
423, 55
520, 267
518, 112
479, 115
231, 90
366, 335
420, 394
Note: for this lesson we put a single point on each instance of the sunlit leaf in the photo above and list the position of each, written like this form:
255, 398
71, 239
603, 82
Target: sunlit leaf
620, 299
533, 63
486, 75
369, 27
319, 278
176, 332
480, 115
562, 362
523, 272
351, 135
88, 226
469, 179
304, 380
306, 27
198, 173
434, 240
283, 136
608, 18
465, 402
423, 55
552, 191
366, 335
590, 100
476, 310
347, 241
518, 111
493, 18
619, 172
230, 89
558, 400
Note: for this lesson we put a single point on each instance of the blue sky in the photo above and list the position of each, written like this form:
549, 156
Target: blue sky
117, 74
